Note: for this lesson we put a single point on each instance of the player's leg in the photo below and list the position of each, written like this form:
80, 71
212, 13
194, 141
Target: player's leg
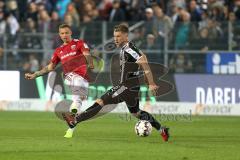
90, 112
133, 107
110, 97
79, 90
143, 115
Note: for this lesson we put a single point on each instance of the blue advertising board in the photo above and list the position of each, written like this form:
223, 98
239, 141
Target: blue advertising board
208, 89
223, 63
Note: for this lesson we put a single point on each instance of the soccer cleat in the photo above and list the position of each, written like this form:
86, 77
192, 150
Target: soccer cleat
165, 134
69, 133
70, 119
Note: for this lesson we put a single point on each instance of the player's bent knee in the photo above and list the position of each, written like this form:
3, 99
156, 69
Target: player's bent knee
100, 102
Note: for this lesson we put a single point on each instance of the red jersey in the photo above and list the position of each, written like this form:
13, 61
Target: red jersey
72, 58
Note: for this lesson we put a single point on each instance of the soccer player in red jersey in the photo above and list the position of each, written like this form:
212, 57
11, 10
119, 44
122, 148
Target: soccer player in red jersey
75, 58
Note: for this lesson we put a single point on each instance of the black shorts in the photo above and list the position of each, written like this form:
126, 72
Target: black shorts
121, 93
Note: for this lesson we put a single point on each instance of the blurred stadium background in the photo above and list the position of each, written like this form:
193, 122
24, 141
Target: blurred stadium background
198, 40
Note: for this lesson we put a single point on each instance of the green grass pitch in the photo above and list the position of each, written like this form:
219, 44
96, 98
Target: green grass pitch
39, 135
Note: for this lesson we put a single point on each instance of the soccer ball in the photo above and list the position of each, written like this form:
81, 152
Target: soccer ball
143, 128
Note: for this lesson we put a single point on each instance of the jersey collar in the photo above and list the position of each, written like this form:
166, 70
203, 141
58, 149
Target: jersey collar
123, 47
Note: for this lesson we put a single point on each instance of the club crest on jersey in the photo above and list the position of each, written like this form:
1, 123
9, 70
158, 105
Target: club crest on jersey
73, 47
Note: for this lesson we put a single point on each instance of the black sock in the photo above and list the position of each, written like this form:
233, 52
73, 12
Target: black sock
148, 117
89, 113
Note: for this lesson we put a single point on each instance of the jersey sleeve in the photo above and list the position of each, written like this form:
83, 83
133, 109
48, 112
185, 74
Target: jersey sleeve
136, 54
83, 46
55, 59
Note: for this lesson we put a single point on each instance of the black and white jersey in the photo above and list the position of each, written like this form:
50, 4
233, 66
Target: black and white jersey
129, 55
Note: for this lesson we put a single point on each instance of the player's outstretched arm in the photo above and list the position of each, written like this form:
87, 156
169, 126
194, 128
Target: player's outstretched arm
89, 59
143, 62
50, 67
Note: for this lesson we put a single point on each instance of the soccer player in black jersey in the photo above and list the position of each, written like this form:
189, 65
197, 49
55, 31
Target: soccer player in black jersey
131, 59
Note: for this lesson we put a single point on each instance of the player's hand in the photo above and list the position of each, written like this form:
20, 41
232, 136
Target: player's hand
30, 76
153, 88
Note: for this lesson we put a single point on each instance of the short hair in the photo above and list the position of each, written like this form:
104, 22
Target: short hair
64, 26
121, 28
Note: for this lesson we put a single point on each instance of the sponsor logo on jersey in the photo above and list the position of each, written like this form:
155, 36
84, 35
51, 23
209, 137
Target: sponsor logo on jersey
132, 53
68, 54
